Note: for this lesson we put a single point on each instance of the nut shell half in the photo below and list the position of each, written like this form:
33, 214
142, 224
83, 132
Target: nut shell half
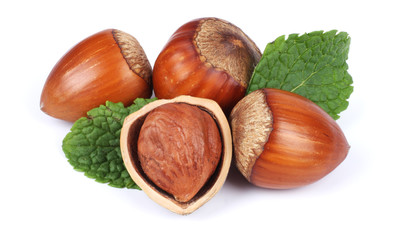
128, 143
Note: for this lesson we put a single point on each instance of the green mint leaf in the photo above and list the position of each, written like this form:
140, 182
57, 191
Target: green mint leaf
92, 145
312, 65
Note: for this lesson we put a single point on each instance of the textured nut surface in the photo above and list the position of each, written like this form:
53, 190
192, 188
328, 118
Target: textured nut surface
179, 147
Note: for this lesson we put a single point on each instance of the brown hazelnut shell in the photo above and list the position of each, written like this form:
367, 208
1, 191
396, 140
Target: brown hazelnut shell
128, 143
283, 140
208, 58
107, 66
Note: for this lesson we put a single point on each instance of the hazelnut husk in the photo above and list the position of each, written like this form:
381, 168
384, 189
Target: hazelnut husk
107, 66
208, 58
179, 161
283, 140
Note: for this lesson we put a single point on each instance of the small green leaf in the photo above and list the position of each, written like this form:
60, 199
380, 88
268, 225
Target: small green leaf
92, 145
312, 65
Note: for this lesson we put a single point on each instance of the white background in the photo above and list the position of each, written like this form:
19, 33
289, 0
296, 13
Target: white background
42, 197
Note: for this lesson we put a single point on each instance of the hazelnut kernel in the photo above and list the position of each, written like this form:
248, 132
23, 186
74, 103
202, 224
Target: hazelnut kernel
179, 147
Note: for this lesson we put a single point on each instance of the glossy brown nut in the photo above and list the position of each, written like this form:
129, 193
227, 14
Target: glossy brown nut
129, 148
208, 58
283, 140
107, 66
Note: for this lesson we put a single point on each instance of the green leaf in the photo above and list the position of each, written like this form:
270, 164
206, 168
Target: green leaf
312, 65
92, 145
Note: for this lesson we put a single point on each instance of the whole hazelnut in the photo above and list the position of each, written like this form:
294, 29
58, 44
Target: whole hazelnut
107, 66
282, 140
209, 58
178, 151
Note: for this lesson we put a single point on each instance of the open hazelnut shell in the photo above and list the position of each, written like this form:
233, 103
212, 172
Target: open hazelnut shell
128, 143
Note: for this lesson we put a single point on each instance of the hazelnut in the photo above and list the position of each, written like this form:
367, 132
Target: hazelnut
208, 58
107, 66
179, 147
178, 151
282, 140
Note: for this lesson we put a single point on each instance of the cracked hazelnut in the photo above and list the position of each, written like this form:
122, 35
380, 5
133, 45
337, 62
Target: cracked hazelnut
178, 151
179, 147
